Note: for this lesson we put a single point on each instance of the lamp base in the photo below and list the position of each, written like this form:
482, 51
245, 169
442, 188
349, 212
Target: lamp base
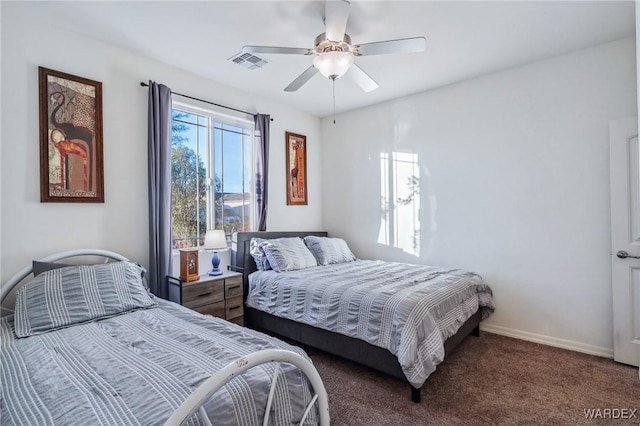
215, 262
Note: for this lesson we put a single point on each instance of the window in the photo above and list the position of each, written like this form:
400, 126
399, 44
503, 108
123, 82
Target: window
210, 175
400, 196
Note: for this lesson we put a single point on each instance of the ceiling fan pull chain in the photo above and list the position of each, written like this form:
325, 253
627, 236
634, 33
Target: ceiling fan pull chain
334, 100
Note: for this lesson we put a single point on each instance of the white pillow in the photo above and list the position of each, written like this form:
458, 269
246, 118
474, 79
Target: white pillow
329, 250
288, 254
256, 249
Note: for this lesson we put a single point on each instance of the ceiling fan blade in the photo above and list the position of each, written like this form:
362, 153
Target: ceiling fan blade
361, 78
336, 14
275, 49
301, 79
405, 45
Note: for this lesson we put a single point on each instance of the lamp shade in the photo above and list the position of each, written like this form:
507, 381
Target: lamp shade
215, 239
333, 64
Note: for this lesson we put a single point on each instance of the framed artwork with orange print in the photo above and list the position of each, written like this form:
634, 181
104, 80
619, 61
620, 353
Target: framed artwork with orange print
71, 164
296, 169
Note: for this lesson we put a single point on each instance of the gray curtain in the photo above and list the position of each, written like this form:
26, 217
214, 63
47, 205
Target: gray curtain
159, 188
261, 166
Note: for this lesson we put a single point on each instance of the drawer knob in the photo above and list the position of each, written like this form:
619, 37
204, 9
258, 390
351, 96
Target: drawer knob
204, 294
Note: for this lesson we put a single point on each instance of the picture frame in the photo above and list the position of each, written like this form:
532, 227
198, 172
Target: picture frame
296, 168
71, 158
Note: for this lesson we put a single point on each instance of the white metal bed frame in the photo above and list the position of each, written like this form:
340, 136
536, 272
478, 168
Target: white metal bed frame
210, 386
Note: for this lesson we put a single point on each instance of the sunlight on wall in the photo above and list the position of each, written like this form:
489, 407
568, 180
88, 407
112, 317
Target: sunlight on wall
400, 198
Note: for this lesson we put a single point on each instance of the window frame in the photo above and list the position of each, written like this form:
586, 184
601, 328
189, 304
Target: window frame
216, 117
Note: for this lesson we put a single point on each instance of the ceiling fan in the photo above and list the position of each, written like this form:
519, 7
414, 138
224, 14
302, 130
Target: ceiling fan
334, 52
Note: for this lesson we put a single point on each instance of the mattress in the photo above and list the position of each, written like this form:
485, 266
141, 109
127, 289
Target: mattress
407, 309
138, 367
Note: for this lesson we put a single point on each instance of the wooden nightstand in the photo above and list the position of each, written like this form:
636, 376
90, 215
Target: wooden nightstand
220, 296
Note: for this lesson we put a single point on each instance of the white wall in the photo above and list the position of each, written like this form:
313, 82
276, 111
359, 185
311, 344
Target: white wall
514, 185
31, 229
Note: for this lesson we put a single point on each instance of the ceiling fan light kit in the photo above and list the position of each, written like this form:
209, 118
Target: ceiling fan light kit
333, 64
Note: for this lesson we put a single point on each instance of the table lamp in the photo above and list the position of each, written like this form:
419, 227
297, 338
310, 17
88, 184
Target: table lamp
215, 240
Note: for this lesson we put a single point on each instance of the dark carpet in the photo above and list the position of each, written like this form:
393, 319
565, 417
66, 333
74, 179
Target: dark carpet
489, 379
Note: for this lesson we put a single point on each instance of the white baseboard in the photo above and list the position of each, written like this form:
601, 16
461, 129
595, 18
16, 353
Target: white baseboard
550, 341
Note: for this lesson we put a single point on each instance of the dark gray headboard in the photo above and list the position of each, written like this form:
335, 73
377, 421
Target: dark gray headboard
241, 260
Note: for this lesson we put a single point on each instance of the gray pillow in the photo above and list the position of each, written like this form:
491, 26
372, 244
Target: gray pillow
329, 250
39, 267
256, 249
288, 254
71, 295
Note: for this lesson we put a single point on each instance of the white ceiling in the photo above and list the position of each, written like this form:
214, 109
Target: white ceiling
464, 39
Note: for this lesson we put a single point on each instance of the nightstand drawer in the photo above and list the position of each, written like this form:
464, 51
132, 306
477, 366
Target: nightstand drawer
202, 294
217, 295
232, 287
215, 309
234, 307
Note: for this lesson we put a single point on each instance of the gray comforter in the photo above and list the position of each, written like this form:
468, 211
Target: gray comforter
408, 309
137, 368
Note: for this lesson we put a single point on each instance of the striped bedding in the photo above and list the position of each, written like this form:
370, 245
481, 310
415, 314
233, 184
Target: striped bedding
408, 309
137, 368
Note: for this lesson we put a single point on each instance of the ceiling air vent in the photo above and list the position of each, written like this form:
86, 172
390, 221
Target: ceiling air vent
249, 61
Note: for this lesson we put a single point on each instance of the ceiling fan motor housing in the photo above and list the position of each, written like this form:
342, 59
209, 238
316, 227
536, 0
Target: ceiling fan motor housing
322, 44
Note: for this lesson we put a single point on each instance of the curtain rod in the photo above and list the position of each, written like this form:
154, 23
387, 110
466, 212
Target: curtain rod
143, 84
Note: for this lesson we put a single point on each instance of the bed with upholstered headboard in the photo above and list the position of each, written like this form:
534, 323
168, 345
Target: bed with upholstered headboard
338, 343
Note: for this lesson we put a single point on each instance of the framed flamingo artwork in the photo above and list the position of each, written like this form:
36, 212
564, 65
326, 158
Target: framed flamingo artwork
71, 163
296, 169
